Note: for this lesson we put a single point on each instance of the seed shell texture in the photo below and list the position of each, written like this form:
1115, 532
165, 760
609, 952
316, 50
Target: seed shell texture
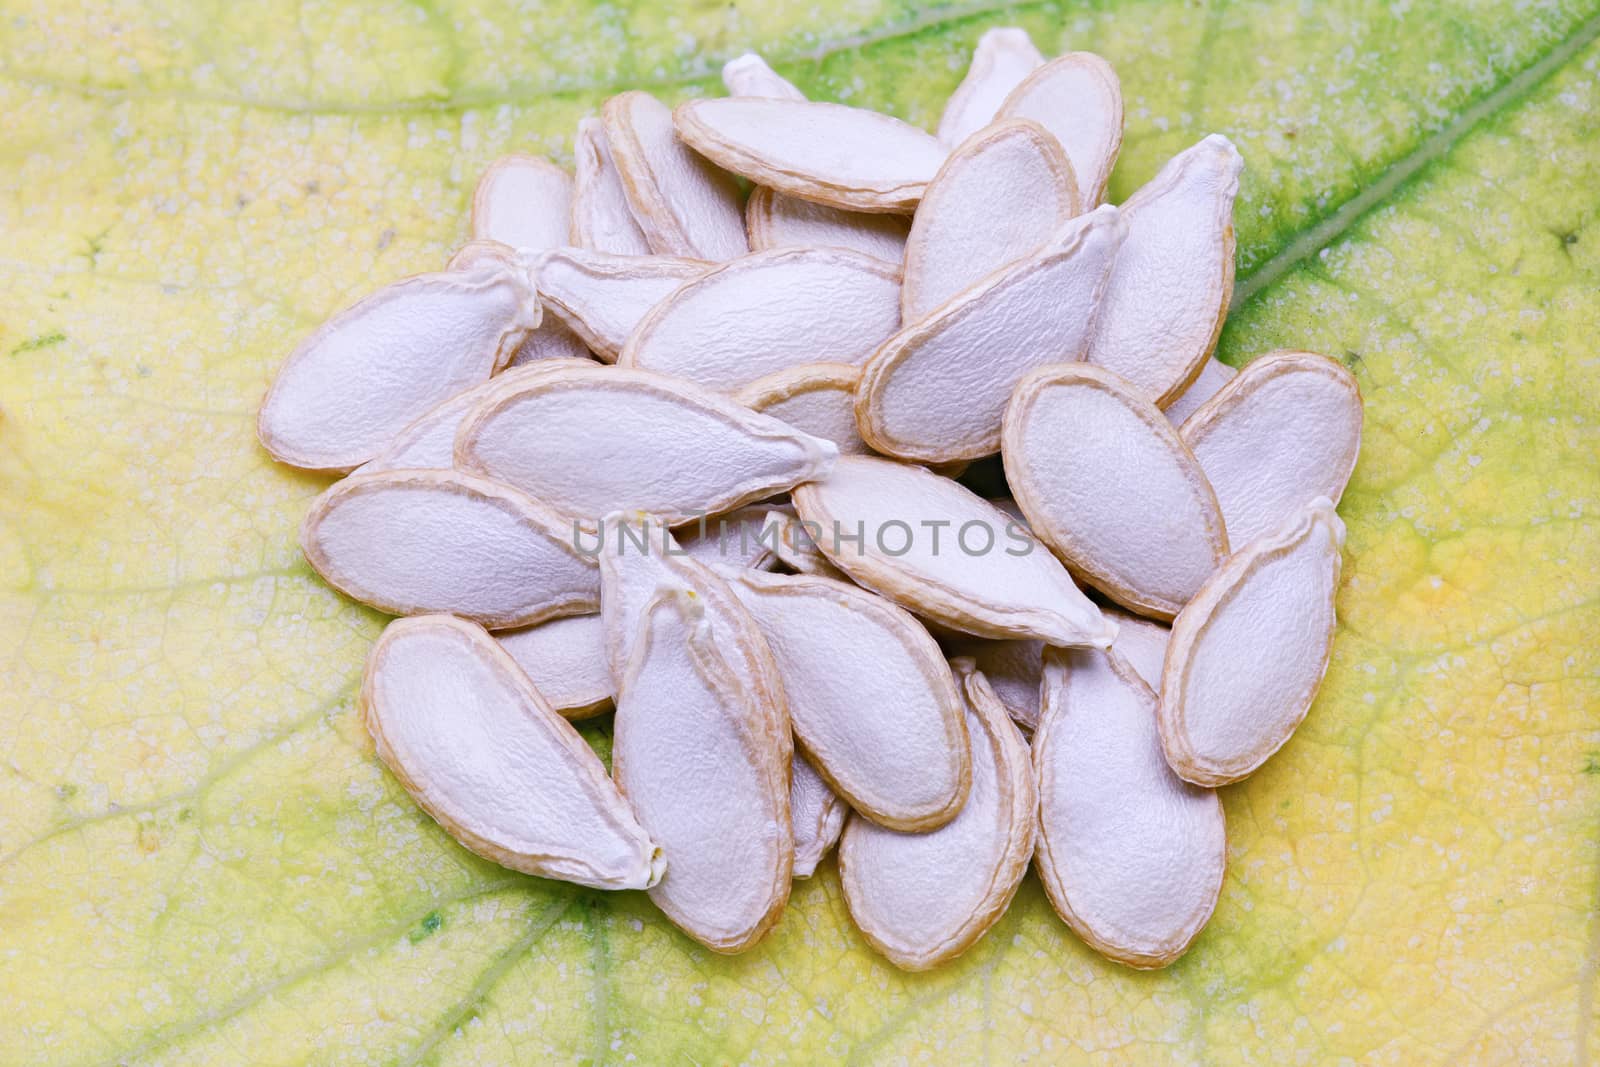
1014, 670
924, 898
1131, 857
814, 398
1170, 287
670, 448
870, 696
602, 221
552, 339
794, 546
881, 523
524, 202
694, 757
484, 252
1105, 480
817, 814
749, 75
1285, 431
732, 539
483, 753
1248, 653
1078, 98
936, 391
411, 542
1143, 644
1003, 57
365, 374
684, 204
1214, 374
602, 297
844, 156
565, 659
778, 221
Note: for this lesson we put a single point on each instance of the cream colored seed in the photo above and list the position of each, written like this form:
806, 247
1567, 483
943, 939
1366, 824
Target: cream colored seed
775, 220
814, 398
565, 659
794, 547
749, 75
732, 539
551, 339
602, 221
817, 814
523, 202
1004, 56
602, 297
1014, 670
1078, 98
1214, 374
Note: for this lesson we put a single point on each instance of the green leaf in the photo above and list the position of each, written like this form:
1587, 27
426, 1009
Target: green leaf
201, 861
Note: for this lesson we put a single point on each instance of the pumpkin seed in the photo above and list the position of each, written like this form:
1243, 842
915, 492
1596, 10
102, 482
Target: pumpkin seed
602, 221
924, 898
1214, 374
524, 202
1285, 431
551, 339
814, 398
1014, 670
670, 448
1131, 857
1105, 481
1172, 281
483, 753
749, 75
794, 547
775, 220
1248, 653
733, 539
817, 814
1078, 98
1003, 57
829, 153
484, 252
870, 697
410, 542
365, 374
1142, 643
684, 204
938, 549
565, 659
602, 297
936, 391
767, 312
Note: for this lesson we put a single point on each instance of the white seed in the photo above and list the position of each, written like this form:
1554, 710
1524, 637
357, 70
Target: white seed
602, 297
778, 221
1170, 287
938, 549
565, 659
794, 547
1214, 374
1078, 98
1014, 670
551, 339
1142, 643
1003, 57
1131, 857
817, 814
767, 312
410, 542
830, 153
936, 391
814, 398
684, 204
749, 75
602, 221
365, 374
484, 252
733, 539
669, 448
870, 696
924, 898
481, 751
1105, 481
524, 202
1285, 431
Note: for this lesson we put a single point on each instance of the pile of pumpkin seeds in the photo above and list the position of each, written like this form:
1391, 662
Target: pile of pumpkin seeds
665, 441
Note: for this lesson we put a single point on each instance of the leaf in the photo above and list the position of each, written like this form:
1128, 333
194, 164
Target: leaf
200, 860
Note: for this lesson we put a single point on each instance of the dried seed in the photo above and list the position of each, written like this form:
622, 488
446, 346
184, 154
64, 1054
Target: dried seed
484, 252
1248, 653
817, 814
1003, 57
1142, 643
814, 398
552, 339
1170, 287
829, 153
365, 374
603, 297
483, 753
775, 220
794, 546
602, 221
1105, 481
870, 697
1285, 431
769, 312
749, 75
523, 202
684, 204
565, 659
1214, 374
881, 523
1130, 856
999, 198
733, 539
1014, 670
936, 391
922, 899
1078, 98
410, 542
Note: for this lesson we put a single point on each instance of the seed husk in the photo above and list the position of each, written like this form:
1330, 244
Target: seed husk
524, 202
1173, 279
1131, 857
1248, 653
1000, 196
936, 391
684, 204
602, 221
551, 339
775, 220
814, 398
1014, 670
832, 154
1214, 374
749, 75
870, 696
483, 753
794, 547
365, 374
1285, 431
767, 312
672, 449
817, 814
924, 898
1003, 57
1105, 480
1142, 643
602, 297
732, 539
1078, 98
565, 659
1014, 588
